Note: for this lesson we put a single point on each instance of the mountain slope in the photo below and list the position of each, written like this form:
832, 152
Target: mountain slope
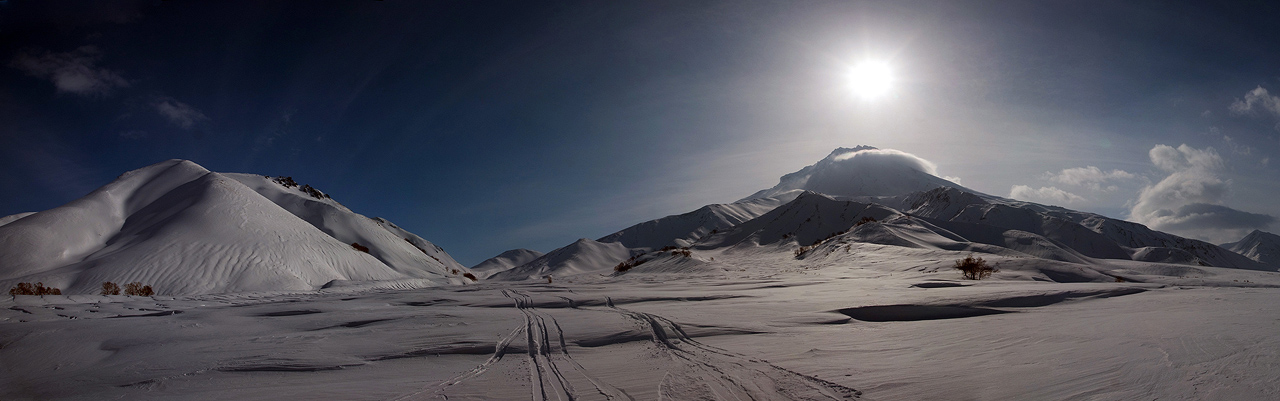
504, 261
1261, 246
185, 230
685, 229
1089, 234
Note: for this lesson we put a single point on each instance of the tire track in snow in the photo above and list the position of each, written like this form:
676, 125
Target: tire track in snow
542, 358
499, 351
708, 372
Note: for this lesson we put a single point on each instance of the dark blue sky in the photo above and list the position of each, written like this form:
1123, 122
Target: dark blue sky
485, 126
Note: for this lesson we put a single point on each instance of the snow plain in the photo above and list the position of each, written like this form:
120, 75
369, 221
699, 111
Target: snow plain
880, 322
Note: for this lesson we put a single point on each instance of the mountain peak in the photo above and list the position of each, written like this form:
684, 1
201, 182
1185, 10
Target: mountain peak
843, 150
862, 171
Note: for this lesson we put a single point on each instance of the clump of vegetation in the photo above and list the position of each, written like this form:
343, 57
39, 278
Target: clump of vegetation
470, 276
676, 250
803, 250
110, 288
628, 264
37, 289
974, 268
137, 289
358, 247
865, 220
625, 265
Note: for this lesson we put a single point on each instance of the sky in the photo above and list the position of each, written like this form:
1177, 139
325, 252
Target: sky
485, 125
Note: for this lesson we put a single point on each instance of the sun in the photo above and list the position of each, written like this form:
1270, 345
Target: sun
871, 79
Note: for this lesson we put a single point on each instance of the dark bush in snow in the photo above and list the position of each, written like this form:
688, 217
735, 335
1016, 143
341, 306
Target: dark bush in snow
470, 276
358, 247
38, 289
136, 288
110, 288
975, 268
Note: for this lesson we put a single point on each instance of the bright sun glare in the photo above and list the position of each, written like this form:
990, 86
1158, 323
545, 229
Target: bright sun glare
871, 79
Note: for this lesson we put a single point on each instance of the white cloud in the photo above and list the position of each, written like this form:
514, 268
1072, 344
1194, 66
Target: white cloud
893, 157
71, 72
1092, 177
1189, 200
1184, 158
179, 113
1051, 195
1256, 100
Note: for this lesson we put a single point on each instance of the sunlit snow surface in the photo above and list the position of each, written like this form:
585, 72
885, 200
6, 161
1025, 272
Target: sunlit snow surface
862, 322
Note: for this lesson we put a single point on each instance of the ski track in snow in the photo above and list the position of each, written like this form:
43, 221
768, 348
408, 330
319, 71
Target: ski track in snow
693, 370
724, 375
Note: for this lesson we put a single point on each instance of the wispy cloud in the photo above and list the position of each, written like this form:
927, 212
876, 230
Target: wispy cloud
1189, 200
179, 113
1256, 101
1050, 195
71, 72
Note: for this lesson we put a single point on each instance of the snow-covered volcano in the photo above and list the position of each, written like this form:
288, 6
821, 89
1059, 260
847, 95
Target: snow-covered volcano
184, 230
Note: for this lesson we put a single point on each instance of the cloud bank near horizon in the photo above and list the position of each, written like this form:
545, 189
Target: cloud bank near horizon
1190, 200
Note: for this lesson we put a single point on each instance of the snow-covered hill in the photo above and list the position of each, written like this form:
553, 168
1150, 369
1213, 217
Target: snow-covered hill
1260, 246
581, 257
504, 261
185, 230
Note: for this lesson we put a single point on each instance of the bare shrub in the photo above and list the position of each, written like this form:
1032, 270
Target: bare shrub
38, 289
624, 266
358, 247
974, 268
136, 288
631, 262
470, 276
110, 288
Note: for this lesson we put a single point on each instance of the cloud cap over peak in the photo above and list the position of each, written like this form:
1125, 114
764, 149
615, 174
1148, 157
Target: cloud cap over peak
862, 171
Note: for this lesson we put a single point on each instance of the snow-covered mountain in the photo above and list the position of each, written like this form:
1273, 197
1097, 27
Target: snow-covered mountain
887, 197
504, 261
1261, 246
186, 230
